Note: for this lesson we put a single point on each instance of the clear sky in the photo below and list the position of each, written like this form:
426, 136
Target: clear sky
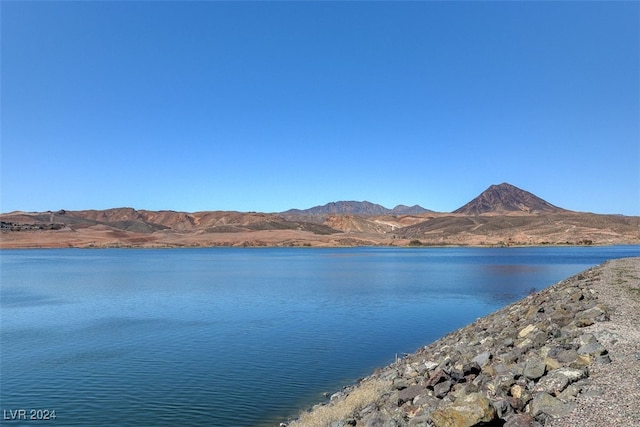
266, 106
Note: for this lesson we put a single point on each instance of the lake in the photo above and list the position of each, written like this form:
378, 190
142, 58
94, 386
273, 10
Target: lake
232, 336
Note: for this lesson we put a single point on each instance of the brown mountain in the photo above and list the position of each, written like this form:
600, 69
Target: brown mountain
143, 221
501, 215
357, 208
505, 198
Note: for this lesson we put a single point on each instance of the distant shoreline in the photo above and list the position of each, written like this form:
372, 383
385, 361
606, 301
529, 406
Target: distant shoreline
2, 246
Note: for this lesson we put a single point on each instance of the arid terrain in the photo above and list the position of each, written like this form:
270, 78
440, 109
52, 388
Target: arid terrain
501, 215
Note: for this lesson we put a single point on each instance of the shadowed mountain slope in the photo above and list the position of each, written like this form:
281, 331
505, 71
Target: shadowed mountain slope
504, 198
357, 208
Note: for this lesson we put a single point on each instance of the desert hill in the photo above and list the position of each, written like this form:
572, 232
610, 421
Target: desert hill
143, 221
522, 229
504, 198
501, 215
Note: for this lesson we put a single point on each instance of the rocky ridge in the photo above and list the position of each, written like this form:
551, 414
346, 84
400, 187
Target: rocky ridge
526, 365
357, 208
503, 215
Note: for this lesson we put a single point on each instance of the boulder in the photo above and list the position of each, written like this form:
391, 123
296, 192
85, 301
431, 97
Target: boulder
592, 348
409, 393
586, 339
534, 368
502, 383
426, 402
544, 403
430, 366
482, 359
595, 313
437, 376
552, 384
465, 412
567, 356
441, 389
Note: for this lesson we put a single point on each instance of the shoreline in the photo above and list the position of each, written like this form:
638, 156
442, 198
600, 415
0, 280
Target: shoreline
390, 246
560, 357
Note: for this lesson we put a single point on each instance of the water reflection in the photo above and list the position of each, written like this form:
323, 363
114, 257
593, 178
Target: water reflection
20, 297
512, 269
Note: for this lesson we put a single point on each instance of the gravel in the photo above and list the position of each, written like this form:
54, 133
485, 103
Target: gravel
612, 397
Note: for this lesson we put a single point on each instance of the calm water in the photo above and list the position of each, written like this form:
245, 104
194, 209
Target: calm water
237, 337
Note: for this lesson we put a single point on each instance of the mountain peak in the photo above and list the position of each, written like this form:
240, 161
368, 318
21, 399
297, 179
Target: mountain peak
356, 208
505, 197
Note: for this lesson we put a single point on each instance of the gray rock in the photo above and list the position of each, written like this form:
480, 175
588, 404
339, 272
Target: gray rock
426, 402
566, 356
569, 393
539, 338
586, 339
544, 403
482, 359
460, 390
441, 389
502, 407
430, 365
557, 380
410, 372
534, 368
502, 383
595, 313
592, 348
409, 393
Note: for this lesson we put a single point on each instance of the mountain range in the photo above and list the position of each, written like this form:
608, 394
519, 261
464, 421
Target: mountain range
501, 198
357, 208
501, 215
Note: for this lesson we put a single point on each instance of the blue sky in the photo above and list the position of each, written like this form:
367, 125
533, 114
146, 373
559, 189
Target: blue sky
266, 106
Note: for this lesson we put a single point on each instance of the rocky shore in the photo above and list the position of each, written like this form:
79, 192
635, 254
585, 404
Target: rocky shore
568, 355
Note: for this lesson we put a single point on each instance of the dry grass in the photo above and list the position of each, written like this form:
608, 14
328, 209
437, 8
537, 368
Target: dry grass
362, 396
